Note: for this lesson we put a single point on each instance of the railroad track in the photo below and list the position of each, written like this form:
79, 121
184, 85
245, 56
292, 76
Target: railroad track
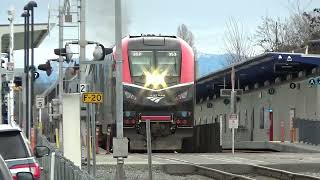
253, 172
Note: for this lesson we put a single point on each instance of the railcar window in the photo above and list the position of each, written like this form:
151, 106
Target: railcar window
140, 61
168, 61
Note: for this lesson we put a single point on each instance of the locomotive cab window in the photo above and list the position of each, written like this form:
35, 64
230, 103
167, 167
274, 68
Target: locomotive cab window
168, 61
140, 62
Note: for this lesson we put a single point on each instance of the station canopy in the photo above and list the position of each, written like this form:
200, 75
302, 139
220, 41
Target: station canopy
259, 69
40, 32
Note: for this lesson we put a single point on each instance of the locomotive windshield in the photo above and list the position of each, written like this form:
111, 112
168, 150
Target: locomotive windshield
140, 61
162, 61
168, 61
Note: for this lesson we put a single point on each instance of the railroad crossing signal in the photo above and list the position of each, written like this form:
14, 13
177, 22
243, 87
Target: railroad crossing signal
92, 97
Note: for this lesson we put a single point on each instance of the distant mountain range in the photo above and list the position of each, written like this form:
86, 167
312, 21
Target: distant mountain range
208, 63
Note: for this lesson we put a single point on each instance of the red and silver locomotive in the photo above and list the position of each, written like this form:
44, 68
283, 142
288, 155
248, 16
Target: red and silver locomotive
158, 85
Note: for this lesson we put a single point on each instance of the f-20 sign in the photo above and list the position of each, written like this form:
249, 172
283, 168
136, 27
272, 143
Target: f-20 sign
92, 97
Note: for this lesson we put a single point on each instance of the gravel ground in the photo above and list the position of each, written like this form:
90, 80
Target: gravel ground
138, 173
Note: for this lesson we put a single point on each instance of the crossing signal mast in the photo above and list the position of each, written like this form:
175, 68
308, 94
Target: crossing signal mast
11, 16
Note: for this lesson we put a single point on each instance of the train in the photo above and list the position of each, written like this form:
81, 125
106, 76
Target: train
158, 85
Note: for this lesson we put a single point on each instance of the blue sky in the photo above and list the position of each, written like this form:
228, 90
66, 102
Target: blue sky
206, 18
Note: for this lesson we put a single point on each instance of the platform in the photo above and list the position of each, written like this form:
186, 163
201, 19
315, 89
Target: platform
276, 146
217, 158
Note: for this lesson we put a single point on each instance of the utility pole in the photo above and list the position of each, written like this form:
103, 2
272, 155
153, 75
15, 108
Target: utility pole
233, 99
119, 87
11, 16
149, 148
25, 15
120, 143
32, 5
82, 41
93, 126
61, 15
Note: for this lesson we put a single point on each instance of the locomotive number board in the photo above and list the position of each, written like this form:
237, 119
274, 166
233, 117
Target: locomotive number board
92, 97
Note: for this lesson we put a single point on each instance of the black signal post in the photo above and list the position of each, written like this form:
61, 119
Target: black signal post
30, 8
26, 16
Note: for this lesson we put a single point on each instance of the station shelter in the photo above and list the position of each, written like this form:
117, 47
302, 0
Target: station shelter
272, 90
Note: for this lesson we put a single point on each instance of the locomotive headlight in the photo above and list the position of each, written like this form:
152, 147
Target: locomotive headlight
155, 79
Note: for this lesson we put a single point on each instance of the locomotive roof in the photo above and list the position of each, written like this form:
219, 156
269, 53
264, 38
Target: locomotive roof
152, 35
150, 41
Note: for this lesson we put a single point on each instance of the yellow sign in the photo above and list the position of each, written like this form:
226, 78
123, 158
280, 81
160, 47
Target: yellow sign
92, 97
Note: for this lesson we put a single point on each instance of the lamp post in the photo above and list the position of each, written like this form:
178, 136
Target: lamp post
30, 8
32, 5
26, 15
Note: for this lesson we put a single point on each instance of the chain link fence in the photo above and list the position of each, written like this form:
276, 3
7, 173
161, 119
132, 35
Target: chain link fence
57, 167
308, 130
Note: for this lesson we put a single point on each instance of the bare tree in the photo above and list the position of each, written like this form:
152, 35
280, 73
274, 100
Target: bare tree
237, 43
184, 33
292, 33
274, 35
313, 22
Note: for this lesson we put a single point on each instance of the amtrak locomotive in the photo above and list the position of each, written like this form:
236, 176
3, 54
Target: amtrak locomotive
158, 85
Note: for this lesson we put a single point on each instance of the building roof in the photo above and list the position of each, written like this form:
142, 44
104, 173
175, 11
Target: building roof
40, 32
255, 70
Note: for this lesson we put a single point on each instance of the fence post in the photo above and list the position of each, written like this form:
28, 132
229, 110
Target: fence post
282, 131
97, 139
58, 167
53, 156
33, 140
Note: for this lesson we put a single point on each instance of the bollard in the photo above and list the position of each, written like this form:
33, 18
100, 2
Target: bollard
108, 140
149, 148
294, 135
52, 165
57, 138
33, 140
282, 131
97, 139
